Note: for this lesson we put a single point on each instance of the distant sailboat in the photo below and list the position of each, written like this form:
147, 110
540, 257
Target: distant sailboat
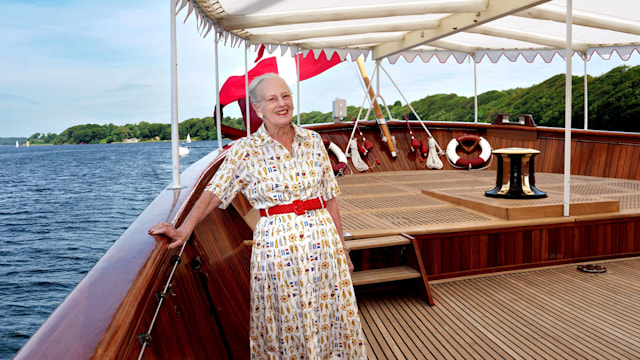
183, 150
184, 147
27, 143
17, 145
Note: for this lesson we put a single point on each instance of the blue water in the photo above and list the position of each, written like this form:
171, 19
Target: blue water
61, 208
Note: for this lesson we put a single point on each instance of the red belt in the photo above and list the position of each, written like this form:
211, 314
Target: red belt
298, 206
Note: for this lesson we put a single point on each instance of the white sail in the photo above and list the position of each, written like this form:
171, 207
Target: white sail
188, 138
17, 145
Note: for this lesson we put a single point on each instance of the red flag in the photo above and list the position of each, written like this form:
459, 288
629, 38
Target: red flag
310, 67
233, 88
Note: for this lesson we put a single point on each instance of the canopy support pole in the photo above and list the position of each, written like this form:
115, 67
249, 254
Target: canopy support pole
175, 133
246, 88
218, 117
567, 113
586, 95
475, 89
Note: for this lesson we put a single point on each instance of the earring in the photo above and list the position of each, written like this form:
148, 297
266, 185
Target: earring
260, 115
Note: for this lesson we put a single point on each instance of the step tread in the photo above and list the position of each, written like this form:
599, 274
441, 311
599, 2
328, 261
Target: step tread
381, 275
376, 242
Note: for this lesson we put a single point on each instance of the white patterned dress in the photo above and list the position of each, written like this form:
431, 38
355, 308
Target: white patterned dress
302, 300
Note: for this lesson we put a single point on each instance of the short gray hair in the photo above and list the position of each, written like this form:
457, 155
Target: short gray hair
255, 83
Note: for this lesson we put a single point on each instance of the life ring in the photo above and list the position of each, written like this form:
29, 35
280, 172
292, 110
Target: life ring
476, 141
342, 158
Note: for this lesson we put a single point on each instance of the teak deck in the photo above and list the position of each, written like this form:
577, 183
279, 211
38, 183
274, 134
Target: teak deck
377, 204
553, 313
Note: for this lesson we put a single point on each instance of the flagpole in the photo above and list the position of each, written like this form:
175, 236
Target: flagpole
298, 80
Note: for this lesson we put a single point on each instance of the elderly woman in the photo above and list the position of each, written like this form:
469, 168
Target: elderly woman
302, 300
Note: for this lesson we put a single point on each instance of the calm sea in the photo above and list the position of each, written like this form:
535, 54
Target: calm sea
61, 208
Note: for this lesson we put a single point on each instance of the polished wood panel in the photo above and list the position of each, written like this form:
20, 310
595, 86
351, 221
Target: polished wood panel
471, 252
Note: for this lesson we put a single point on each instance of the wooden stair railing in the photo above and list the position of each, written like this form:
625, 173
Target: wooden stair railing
392, 273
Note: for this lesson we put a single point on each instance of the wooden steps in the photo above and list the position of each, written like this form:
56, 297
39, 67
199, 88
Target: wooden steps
376, 242
376, 276
391, 273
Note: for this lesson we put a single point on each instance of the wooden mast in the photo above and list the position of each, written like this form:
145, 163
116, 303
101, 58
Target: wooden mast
380, 119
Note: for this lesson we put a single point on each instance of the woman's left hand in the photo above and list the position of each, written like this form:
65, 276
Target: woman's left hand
349, 263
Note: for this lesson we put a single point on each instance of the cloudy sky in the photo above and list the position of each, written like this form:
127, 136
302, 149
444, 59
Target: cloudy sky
71, 62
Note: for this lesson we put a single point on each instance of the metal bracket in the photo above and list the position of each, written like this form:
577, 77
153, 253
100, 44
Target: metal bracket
196, 263
145, 339
160, 295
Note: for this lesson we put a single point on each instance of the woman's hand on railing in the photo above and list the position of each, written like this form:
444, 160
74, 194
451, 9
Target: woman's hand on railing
176, 237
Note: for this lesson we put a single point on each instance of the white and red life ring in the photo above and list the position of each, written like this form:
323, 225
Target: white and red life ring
340, 156
475, 163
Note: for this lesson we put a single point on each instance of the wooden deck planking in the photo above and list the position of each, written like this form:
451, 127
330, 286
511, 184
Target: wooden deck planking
520, 319
385, 204
552, 313
444, 343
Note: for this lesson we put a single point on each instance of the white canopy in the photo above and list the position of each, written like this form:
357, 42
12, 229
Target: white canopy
432, 29
425, 28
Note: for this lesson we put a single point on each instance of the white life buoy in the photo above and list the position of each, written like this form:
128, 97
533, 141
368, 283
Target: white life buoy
475, 163
342, 158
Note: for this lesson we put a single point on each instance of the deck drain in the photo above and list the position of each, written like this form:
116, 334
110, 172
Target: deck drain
592, 268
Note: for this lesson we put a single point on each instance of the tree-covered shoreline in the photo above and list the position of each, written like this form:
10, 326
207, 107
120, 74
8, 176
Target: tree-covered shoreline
614, 104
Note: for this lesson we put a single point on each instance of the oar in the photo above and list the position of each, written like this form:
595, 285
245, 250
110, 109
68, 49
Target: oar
380, 119
415, 144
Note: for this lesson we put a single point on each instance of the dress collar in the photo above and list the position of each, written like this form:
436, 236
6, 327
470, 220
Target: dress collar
261, 136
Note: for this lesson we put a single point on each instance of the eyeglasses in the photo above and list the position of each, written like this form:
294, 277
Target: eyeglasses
272, 100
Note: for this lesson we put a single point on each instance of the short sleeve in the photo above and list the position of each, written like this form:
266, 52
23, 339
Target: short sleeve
330, 188
231, 175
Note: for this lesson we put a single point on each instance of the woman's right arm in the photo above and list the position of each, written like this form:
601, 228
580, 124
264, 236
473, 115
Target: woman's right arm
178, 236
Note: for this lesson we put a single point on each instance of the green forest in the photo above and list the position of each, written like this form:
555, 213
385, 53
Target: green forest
614, 104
